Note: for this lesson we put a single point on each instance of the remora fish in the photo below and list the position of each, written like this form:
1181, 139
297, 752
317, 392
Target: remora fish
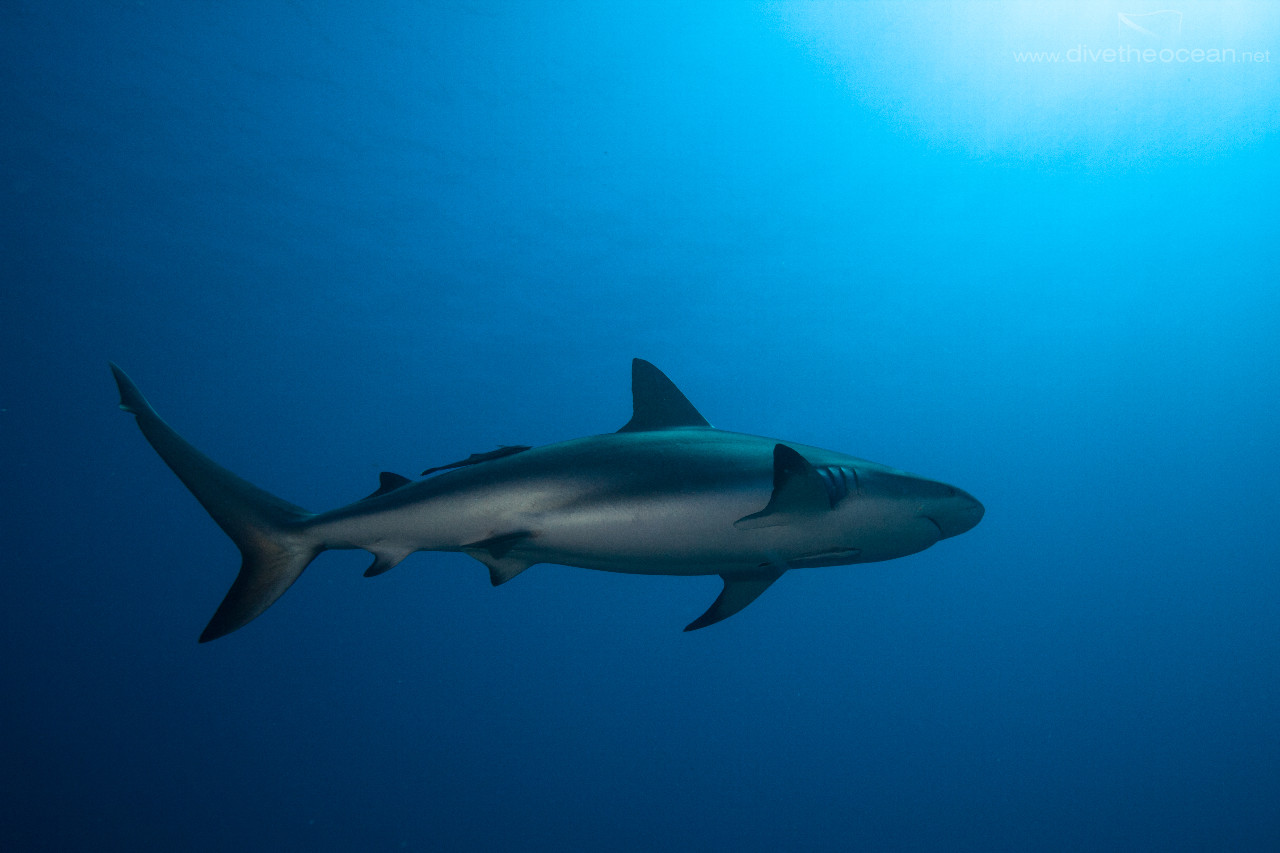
667, 494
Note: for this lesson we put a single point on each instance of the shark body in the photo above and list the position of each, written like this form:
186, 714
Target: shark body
667, 494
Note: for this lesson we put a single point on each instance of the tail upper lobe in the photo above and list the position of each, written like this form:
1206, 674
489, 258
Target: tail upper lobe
271, 533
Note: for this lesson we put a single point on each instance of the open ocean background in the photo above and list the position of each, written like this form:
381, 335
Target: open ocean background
331, 239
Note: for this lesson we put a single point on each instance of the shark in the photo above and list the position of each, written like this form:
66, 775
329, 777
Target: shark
667, 494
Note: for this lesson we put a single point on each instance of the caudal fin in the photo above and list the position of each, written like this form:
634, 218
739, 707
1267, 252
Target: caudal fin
270, 533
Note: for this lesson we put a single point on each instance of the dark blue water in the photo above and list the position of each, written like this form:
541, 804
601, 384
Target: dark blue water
331, 241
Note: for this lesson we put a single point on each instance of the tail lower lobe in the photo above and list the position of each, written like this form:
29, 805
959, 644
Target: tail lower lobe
271, 533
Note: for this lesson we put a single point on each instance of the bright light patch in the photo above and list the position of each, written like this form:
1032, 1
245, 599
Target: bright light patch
1099, 84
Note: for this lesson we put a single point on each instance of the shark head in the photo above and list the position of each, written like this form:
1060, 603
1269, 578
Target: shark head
899, 513
953, 511
878, 513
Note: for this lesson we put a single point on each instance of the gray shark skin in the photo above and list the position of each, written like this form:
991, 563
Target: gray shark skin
668, 494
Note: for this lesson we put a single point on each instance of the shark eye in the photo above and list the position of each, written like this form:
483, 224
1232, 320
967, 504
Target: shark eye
840, 481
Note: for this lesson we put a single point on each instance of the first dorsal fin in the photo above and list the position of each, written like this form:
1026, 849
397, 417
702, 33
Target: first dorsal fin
657, 403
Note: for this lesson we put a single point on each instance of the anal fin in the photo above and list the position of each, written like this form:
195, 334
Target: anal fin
385, 561
739, 591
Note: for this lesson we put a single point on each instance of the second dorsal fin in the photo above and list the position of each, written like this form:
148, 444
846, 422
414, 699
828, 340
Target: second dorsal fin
388, 482
657, 403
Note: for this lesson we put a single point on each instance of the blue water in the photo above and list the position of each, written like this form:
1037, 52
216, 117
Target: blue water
333, 239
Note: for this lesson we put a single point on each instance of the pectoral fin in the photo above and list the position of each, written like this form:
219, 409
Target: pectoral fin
798, 490
739, 591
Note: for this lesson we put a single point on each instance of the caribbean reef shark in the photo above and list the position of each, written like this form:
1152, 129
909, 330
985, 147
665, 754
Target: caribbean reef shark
668, 494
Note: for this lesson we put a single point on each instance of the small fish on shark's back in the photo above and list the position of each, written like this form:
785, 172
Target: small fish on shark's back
667, 494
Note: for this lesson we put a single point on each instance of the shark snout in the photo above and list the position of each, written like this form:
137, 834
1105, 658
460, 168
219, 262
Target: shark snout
956, 513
